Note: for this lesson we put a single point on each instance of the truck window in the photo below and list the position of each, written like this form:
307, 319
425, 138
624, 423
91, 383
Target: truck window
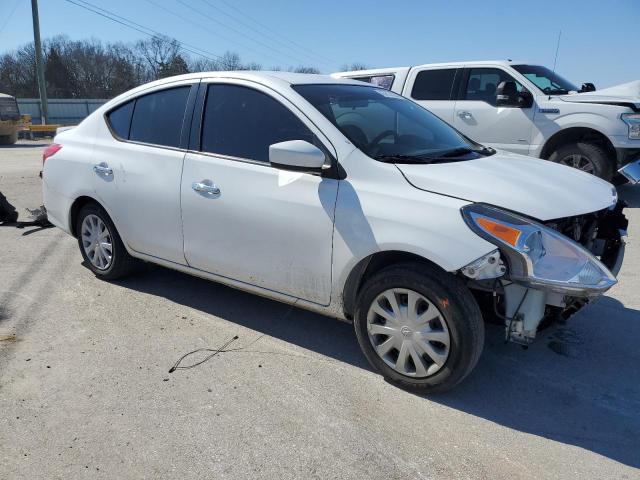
483, 82
434, 84
384, 81
9, 109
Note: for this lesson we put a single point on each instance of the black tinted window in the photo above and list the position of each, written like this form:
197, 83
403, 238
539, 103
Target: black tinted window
120, 119
434, 84
483, 82
242, 122
157, 117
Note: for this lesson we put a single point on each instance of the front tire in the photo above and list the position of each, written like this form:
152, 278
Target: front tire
419, 326
588, 157
101, 245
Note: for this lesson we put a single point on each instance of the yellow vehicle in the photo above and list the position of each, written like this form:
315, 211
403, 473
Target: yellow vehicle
10, 120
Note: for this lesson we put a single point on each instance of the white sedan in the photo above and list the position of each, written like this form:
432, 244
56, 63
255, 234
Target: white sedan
342, 198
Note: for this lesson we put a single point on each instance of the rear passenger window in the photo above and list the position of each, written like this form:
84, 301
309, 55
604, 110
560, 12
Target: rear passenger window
120, 120
434, 84
242, 122
157, 117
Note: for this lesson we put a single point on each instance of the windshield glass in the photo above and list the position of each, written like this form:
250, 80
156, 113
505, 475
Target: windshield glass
383, 124
549, 82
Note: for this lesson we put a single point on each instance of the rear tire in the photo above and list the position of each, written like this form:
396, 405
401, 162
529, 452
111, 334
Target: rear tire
101, 245
448, 346
587, 157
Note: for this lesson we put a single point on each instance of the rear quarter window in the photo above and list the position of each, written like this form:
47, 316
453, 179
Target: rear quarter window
120, 120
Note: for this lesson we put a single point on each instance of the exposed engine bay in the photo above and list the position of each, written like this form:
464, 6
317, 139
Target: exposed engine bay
524, 309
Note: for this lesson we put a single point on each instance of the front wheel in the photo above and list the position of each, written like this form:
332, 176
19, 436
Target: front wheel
419, 326
588, 157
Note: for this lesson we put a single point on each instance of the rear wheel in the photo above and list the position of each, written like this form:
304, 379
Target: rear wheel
588, 157
100, 244
419, 326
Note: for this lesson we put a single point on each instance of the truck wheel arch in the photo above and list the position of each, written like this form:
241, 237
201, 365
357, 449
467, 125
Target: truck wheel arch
574, 135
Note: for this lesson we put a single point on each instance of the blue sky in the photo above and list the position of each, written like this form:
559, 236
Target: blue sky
600, 39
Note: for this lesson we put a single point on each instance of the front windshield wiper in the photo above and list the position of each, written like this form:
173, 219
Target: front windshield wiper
402, 158
434, 157
461, 151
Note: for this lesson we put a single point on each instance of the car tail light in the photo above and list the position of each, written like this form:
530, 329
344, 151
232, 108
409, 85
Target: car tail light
50, 151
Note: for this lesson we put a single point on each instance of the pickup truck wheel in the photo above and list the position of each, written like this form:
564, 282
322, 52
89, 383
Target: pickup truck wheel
587, 157
419, 326
100, 244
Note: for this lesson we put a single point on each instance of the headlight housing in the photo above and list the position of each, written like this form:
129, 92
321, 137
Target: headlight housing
538, 255
633, 122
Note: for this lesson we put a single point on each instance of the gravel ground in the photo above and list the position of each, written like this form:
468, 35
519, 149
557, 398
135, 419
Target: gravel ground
85, 390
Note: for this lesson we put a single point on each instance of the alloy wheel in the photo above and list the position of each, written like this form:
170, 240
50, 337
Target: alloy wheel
97, 242
408, 332
578, 161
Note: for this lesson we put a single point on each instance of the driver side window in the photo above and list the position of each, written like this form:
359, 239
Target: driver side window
242, 122
483, 82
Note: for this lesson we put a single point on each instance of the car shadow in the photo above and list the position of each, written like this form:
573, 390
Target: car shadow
579, 384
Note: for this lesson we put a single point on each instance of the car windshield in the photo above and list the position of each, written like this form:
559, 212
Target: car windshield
386, 126
549, 82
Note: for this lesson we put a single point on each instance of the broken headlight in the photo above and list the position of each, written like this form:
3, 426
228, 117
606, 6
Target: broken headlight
537, 255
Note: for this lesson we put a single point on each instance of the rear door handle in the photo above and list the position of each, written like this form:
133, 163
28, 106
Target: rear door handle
103, 169
465, 115
206, 186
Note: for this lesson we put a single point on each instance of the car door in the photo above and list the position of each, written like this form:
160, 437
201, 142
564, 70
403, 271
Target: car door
434, 89
138, 166
478, 117
243, 219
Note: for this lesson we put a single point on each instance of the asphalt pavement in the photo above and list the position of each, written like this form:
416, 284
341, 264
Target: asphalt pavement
85, 390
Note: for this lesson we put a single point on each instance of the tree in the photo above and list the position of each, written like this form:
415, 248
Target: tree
354, 66
95, 69
306, 70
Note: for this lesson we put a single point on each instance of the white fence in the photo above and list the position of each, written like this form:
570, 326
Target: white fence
63, 111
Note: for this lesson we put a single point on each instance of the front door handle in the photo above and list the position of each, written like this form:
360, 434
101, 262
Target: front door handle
103, 169
206, 186
463, 114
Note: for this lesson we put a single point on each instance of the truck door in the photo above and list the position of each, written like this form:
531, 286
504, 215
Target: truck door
478, 117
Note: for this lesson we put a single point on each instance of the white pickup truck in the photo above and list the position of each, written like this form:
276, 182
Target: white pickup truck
525, 109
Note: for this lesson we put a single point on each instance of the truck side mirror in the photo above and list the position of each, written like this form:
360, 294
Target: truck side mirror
507, 95
587, 87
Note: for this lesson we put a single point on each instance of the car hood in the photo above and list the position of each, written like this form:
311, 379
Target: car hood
530, 186
627, 93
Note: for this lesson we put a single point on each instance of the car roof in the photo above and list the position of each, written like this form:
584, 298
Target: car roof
259, 75
273, 79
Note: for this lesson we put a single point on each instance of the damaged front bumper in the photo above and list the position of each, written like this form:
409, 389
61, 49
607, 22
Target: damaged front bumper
523, 305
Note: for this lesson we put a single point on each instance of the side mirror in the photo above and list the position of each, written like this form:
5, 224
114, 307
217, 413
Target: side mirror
296, 156
507, 95
587, 87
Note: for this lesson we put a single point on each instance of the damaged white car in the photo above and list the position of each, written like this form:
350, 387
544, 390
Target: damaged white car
342, 198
